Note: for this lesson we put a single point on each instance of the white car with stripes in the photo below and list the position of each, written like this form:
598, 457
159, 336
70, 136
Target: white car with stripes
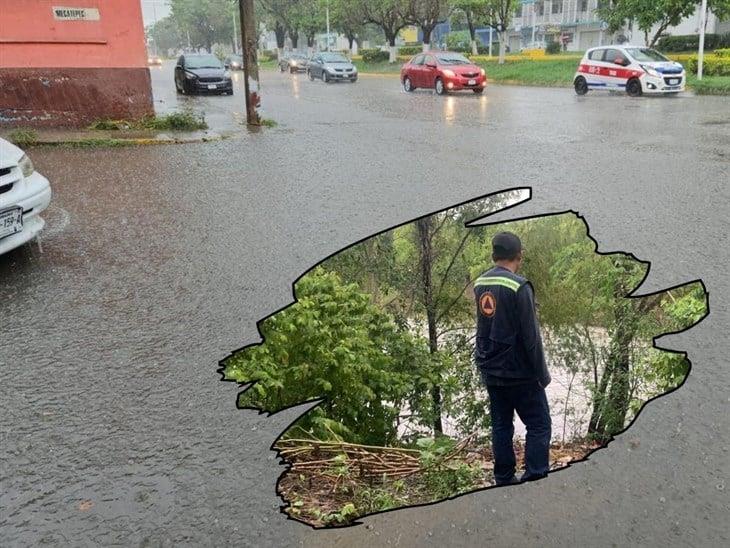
634, 69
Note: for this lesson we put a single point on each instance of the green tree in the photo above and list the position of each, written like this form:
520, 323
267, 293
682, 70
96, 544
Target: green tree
280, 16
475, 13
646, 14
347, 17
166, 35
207, 21
426, 14
333, 343
390, 15
500, 14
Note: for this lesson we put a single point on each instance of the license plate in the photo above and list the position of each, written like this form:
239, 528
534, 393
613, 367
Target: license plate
11, 221
212, 86
472, 82
673, 81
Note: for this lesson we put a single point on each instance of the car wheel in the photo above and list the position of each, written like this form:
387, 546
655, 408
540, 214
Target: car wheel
440, 87
292, 70
478, 90
407, 84
580, 85
325, 77
633, 87
281, 68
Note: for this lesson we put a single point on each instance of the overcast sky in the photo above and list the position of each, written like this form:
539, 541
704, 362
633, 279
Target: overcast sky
150, 8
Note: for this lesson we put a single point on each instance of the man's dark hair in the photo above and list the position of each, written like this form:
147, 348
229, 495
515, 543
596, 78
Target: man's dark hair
506, 246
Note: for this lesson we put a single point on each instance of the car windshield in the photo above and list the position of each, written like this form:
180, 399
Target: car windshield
645, 54
202, 61
334, 58
452, 59
298, 56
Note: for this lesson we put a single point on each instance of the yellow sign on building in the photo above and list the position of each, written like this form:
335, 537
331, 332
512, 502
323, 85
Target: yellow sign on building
409, 34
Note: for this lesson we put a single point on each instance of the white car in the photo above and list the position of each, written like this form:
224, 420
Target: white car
635, 69
24, 193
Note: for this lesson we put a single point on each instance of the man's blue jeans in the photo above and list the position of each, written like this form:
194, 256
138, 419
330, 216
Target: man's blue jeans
531, 404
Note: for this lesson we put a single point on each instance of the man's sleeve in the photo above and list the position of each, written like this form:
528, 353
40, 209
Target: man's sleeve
530, 333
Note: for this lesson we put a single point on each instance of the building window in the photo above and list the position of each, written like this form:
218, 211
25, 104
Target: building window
541, 8
557, 6
583, 5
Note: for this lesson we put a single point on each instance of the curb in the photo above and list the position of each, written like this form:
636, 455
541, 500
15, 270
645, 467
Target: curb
111, 142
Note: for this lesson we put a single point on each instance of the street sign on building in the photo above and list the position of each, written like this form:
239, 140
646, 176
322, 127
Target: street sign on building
64, 13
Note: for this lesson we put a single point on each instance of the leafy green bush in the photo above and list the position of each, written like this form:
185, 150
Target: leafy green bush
712, 65
410, 50
692, 42
374, 55
722, 52
334, 342
552, 48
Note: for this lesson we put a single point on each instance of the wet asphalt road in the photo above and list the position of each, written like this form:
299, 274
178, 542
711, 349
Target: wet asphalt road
158, 261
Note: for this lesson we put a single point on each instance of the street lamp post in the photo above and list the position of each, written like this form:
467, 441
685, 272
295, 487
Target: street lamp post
235, 34
327, 11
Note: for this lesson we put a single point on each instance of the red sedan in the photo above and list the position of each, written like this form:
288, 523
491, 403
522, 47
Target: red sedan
443, 71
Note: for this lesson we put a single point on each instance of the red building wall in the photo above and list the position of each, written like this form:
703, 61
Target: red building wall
70, 67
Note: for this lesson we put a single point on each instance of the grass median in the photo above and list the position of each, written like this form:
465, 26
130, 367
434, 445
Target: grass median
551, 72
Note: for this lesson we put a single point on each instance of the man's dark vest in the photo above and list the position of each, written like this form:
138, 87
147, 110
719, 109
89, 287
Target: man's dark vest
498, 350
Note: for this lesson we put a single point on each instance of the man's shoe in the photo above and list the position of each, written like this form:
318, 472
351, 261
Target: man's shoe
533, 477
512, 481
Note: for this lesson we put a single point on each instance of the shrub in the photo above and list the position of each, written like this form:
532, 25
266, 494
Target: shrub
374, 55
712, 65
552, 48
410, 50
723, 52
692, 42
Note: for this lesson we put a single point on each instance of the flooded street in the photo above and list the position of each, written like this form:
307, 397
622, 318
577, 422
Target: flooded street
157, 262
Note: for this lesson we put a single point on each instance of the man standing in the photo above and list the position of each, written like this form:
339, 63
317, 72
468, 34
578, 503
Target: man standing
511, 362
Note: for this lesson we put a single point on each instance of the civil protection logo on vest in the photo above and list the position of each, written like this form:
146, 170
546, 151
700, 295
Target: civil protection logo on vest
488, 304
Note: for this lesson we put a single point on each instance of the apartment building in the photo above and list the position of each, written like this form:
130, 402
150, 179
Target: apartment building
577, 24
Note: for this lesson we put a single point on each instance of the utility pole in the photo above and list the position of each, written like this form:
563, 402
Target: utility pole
701, 53
250, 64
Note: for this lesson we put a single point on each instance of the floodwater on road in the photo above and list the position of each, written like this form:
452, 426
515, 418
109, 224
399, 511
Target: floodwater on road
158, 261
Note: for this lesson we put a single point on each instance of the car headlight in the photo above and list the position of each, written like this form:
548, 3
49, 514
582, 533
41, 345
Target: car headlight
294, 63
484, 72
449, 73
227, 75
26, 166
651, 71
190, 76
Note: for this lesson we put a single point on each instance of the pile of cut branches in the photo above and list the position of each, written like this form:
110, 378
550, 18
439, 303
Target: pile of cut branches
332, 483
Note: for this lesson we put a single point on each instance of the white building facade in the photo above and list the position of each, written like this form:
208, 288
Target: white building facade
577, 25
